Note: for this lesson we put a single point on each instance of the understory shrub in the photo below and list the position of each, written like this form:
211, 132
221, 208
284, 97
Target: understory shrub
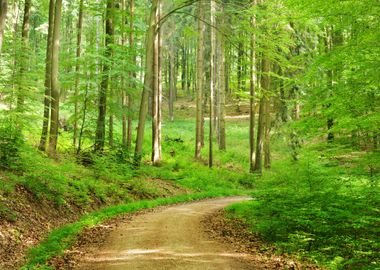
11, 141
320, 211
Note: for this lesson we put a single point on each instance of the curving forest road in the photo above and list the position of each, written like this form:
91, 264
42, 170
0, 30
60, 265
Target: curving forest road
171, 238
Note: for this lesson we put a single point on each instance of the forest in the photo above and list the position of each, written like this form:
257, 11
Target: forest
271, 108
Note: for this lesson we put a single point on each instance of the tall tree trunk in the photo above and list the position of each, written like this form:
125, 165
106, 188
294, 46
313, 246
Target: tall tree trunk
157, 92
252, 101
132, 73
212, 81
47, 97
55, 88
240, 65
171, 82
24, 54
184, 70
77, 71
148, 82
222, 91
111, 84
200, 80
267, 119
265, 82
330, 78
3, 17
85, 102
124, 95
101, 122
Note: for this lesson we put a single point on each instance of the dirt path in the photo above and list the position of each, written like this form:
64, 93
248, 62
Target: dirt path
171, 238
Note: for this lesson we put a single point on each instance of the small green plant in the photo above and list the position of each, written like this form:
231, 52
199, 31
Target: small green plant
7, 214
11, 142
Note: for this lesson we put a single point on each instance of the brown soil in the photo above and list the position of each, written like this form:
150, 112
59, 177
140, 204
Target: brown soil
35, 218
175, 237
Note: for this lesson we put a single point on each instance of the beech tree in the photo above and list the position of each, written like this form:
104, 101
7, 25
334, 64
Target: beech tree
3, 17
78, 70
55, 88
48, 78
157, 90
148, 80
22, 60
200, 80
109, 40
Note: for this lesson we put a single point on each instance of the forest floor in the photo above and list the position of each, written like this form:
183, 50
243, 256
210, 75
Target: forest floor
34, 218
186, 236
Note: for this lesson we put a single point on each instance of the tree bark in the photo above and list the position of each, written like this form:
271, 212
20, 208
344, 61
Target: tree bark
184, 70
252, 101
265, 82
132, 73
148, 83
267, 119
157, 92
124, 95
47, 97
240, 65
101, 122
3, 17
200, 75
222, 91
85, 102
24, 54
171, 82
77, 71
55, 88
330, 78
212, 81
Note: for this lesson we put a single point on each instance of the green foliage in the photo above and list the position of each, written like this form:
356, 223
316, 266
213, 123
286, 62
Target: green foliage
6, 213
11, 142
320, 208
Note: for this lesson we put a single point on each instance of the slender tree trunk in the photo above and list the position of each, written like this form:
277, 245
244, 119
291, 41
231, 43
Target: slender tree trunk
111, 86
55, 88
212, 82
184, 70
189, 71
240, 65
83, 118
330, 78
171, 82
265, 81
157, 92
132, 73
101, 122
200, 80
252, 101
222, 92
148, 82
24, 54
77, 71
267, 119
3, 17
124, 96
47, 97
